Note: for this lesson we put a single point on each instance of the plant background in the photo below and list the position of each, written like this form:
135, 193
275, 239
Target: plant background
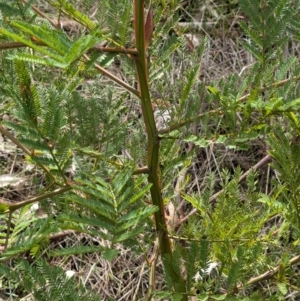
126, 277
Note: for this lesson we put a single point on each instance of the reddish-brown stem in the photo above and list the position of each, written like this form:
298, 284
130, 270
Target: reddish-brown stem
164, 242
15, 206
152, 136
128, 51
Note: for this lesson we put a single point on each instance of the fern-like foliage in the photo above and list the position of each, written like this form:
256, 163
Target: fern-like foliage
42, 282
111, 211
269, 24
229, 230
242, 120
65, 114
73, 13
42, 123
285, 151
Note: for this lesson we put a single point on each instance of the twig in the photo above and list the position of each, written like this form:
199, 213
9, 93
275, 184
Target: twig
180, 238
128, 51
99, 68
261, 163
116, 79
219, 111
24, 149
269, 274
187, 122
142, 170
40, 13
14, 140
153, 262
14, 206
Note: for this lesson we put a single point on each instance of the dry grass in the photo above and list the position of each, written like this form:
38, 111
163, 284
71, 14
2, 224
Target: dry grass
126, 278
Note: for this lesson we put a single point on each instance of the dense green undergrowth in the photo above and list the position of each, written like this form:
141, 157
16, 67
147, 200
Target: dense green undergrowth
119, 140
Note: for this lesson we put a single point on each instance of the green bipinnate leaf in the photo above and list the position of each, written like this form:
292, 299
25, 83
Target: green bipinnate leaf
110, 254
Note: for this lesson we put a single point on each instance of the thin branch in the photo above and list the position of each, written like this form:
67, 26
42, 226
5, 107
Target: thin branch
40, 13
274, 85
13, 139
14, 206
13, 45
116, 79
127, 51
24, 149
187, 122
180, 238
219, 111
132, 52
153, 262
142, 170
271, 273
213, 198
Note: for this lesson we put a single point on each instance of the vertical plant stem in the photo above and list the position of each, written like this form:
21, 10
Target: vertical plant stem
152, 135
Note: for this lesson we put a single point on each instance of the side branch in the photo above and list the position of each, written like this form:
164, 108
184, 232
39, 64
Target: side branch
15, 206
269, 274
219, 111
213, 198
24, 149
129, 51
